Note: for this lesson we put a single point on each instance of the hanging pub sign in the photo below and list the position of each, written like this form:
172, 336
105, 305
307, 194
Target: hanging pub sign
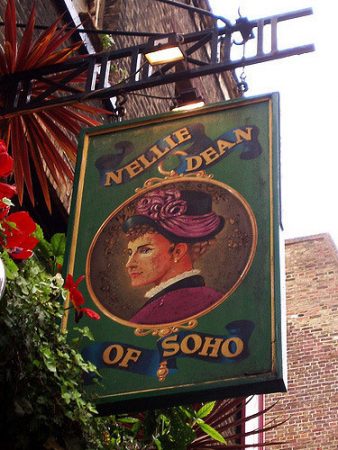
175, 225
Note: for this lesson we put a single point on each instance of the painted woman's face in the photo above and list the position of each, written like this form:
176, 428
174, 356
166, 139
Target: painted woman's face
150, 259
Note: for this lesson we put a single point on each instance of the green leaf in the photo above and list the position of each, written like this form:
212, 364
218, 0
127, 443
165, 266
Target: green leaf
210, 431
85, 332
186, 412
58, 243
38, 233
205, 410
43, 245
128, 420
7, 201
11, 268
158, 444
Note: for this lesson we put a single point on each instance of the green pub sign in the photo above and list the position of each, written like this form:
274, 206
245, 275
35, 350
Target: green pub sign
176, 227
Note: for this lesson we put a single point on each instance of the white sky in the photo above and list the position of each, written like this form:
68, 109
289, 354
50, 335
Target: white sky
308, 89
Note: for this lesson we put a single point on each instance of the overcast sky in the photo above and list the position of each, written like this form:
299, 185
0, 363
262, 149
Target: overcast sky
307, 86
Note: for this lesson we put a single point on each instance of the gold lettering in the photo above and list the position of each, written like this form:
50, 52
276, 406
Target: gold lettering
158, 152
213, 346
146, 163
107, 354
134, 168
170, 346
243, 135
226, 347
182, 135
131, 355
115, 177
197, 342
224, 145
209, 155
170, 142
193, 163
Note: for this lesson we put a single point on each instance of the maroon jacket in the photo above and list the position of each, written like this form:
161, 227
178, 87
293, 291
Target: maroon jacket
178, 302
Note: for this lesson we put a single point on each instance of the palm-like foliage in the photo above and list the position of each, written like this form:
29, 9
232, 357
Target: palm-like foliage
43, 141
228, 420
214, 425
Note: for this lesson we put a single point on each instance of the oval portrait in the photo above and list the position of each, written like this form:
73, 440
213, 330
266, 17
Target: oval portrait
171, 253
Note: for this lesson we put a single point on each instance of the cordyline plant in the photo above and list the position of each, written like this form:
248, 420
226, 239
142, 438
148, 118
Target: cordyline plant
42, 139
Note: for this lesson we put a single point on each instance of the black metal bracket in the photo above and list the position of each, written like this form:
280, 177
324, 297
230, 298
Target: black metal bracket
17, 90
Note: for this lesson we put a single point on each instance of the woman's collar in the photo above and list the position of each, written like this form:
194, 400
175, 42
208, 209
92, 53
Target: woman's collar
160, 287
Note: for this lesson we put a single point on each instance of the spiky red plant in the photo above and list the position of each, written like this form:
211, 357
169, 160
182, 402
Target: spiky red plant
41, 140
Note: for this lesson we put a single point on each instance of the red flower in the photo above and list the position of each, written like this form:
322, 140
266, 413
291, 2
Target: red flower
17, 237
7, 190
3, 146
4, 210
77, 298
6, 161
90, 313
75, 295
6, 168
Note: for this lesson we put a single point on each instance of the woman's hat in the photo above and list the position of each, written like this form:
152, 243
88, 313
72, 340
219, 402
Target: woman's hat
180, 215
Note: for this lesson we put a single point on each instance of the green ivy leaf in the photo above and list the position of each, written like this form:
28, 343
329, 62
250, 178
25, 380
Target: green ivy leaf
11, 268
85, 332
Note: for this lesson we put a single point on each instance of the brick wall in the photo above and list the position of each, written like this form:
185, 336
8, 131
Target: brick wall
311, 403
46, 12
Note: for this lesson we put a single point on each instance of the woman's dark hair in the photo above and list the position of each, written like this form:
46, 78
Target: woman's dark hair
196, 249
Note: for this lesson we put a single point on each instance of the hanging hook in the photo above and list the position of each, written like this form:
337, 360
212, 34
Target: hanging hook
121, 99
242, 85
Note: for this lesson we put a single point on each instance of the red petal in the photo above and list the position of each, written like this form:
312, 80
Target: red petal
14, 239
3, 146
78, 281
7, 190
29, 242
90, 313
23, 221
69, 284
21, 241
6, 164
4, 210
76, 297
22, 254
